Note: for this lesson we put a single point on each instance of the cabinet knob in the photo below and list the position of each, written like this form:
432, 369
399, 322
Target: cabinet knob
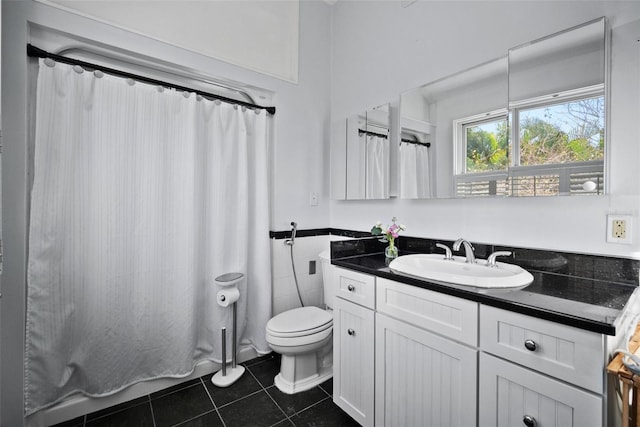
351, 332
529, 421
530, 345
351, 288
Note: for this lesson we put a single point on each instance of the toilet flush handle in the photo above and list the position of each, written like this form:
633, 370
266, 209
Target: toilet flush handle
351, 332
351, 288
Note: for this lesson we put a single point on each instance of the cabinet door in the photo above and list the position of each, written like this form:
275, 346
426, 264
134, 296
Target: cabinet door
353, 335
423, 379
516, 396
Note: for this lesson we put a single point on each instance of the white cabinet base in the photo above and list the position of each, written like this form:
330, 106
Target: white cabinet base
509, 393
353, 347
422, 379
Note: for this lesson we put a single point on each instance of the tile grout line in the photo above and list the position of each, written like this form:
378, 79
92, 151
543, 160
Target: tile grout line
272, 399
108, 413
215, 407
196, 417
312, 405
153, 417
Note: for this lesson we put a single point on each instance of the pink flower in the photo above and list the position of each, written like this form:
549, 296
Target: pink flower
391, 233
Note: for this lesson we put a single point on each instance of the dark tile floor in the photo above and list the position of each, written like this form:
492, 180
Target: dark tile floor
252, 401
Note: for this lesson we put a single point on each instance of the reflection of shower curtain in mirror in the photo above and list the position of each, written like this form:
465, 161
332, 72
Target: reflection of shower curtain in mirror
377, 167
141, 197
414, 171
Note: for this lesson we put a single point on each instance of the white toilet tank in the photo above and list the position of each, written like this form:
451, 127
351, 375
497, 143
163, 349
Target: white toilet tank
327, 284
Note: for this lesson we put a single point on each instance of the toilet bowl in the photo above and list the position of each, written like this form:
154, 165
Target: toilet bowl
303, 337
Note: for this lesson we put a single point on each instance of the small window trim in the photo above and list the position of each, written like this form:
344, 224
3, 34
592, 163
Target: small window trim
460, 141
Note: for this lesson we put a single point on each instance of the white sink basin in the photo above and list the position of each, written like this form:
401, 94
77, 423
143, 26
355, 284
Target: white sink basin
435, 267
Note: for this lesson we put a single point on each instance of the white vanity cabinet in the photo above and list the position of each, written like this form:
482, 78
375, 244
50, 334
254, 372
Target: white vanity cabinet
424, 379
409, 356
353, 344
545, 373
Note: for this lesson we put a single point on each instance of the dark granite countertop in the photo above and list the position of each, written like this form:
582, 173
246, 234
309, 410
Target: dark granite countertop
584, 291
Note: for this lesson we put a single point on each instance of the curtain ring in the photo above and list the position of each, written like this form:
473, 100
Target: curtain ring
131, 82
99, 74
186, 94
78, 69
49, 62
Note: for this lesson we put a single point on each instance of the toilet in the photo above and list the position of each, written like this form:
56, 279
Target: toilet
303, 336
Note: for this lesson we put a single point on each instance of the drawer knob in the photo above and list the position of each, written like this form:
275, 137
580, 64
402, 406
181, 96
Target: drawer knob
351, 288
529, 421
531, 346
351, 332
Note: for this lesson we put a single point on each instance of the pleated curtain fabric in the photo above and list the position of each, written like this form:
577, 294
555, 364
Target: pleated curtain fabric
415, 180
377, 167
141, 197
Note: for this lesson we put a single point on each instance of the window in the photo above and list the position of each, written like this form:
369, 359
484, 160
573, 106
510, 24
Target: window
558, 147
559, 144
482, 155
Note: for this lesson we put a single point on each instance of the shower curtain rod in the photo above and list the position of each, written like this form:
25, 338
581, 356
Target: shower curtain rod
36, 52
366, 132
410, 141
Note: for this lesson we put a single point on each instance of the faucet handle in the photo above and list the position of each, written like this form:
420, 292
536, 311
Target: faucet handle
447, 251
491, 261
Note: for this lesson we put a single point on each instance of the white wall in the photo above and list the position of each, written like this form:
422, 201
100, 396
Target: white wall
299, 156
262, 36
432, 39
305, 249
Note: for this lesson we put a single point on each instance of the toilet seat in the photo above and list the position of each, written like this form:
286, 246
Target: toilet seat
299, 327
299, 322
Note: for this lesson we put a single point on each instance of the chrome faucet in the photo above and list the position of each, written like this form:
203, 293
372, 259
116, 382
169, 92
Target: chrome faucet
468, 249
491, 261
447, 252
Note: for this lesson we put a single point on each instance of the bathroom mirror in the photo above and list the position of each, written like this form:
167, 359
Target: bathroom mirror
531, 123
368, 154
471, 103
557, 120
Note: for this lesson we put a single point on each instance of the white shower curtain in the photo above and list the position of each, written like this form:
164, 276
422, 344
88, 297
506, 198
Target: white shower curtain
377, 166
415, 182
141, 197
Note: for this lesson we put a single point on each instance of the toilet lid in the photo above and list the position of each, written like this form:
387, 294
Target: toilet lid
300, 321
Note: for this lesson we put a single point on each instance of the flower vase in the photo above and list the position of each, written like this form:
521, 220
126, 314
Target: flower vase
391, 251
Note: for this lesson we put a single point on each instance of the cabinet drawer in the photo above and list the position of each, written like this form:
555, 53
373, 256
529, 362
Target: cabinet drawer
355, 287
564, 352
510, 393
453, 317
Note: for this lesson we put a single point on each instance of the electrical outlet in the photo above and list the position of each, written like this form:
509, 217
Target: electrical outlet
619, 228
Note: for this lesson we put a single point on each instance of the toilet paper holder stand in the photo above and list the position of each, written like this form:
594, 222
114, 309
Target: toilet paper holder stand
225, 377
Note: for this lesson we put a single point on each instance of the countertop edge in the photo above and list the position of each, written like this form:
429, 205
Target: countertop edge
554, 316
